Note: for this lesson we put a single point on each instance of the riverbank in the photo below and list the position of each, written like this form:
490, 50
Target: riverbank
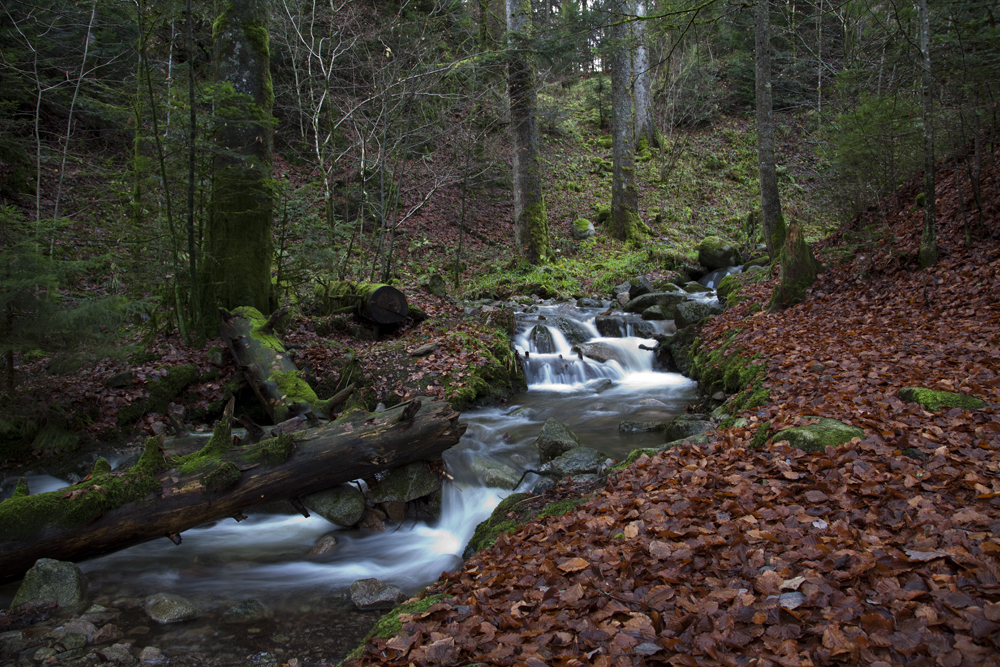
880, 551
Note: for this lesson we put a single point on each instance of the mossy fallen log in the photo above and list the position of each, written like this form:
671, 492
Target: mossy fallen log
269, 369
382, 304
164, 496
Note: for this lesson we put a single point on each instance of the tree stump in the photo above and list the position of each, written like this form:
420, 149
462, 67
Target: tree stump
799, 269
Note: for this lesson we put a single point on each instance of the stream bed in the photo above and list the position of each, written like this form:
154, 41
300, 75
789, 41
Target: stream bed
311, 618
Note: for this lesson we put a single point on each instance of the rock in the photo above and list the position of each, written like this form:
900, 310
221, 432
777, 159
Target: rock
369, 594
760, 261
622, 299
752, 269
13, 642
158, 428
405, 483
342, 505
577, 461
599, 385
108, 633
643, 328
639, 285
52, 581
817, 437
715, 253
425, 349
692, 312
325, 545
656, 313
541, 339
373, 520
640, 427
170, 608
437, 286
86, 629
117, 654
693, 440
495, 474
571, 329
394, 510
610, 326
151, 655
641, 303
555, 439
696, 288
728, 285
601, 352
246, 611
624, 287
685, 426
816, 368
582, 229
588, 303
120, 380
678, 348
934, 400
71, 641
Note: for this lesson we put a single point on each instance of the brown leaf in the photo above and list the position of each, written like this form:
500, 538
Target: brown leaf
573, 565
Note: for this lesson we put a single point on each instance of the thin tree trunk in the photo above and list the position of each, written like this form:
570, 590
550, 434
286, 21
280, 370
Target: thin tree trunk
192, 135
928, 239
644, 128
531, 225
770, 203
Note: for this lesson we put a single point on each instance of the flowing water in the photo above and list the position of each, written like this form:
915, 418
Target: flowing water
263, 557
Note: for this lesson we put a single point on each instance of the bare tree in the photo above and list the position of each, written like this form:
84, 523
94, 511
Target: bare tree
770, 203
625, 221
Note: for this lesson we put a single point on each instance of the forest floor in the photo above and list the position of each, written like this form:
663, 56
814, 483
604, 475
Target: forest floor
722, 554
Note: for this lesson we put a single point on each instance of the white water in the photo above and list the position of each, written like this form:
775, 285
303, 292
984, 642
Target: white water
265, 556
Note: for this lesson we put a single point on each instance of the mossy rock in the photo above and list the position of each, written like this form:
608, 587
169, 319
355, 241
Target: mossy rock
389, 625
728, 285
934, 400
817, 437
685, 426
714, 253
583, 229
509, 515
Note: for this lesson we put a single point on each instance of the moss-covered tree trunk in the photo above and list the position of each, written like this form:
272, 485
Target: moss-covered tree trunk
799, 269
625, 222
644, 127
531, 225
240, 248
275, 378
770, 203
162, 496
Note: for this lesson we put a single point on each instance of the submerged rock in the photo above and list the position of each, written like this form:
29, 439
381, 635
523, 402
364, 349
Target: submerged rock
170, 608
817, 437
342, 505
247, 611
571, 329
369, 594
555, 439
52, 581
541, 339
325, 545
640, 427
599, 385
602, 352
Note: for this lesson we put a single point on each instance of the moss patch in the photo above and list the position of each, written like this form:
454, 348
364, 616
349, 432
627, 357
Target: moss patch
817, 437
223, 477
390, 625
273, 452
935, 400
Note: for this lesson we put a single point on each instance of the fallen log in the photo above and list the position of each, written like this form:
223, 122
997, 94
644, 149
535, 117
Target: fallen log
268, 368
382, 304
161, 496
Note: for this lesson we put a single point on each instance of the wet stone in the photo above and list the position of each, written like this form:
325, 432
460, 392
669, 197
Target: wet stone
326, 544
152, 655
367, 594
118, 654
170, 608
246, 611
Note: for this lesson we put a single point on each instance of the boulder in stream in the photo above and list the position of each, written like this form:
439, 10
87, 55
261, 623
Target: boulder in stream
371, 594
610, 326
714, 253
555, 439
577, 461
571, 329
325, 545
405, 483
541, 339
170, 608
658, 313
52, 581
638, 286
641, 303
601, 352
342, 505
684, 426
691, 312
495, 474
640, 427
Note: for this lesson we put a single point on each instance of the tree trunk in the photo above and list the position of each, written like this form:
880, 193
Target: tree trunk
928, 240
275, 378
644, 128
625, 221
799, 269
159, 497
531, 225
240, 246
770, 204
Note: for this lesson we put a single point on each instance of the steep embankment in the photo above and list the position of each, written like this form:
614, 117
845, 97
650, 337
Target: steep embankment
883, 551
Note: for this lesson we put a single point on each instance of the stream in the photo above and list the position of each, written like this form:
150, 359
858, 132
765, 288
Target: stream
311, 616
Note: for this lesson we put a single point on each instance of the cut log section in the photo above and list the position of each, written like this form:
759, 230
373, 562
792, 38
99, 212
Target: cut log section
382, 304
268, 368
163, 497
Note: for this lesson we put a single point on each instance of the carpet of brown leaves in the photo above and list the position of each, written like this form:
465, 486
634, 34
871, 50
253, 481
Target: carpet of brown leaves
723, 555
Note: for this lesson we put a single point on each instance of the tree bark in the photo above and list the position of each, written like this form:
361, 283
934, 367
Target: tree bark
531, 225
275, 378
625, 221
219, 481
239, 241
928, 239
644, 128
770, 203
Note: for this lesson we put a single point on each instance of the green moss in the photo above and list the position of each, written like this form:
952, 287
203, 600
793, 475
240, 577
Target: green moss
258, 321
633, 456
295, 390
760, 436
153, 461
272, 452
22, 488
536, 223
779, 234
101, 467
560, 507
817, 437
605, 141
935, 400
390, 625
220, 23
499, 375
505, 519
581, 225
728, 285
222, 477
603, 215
